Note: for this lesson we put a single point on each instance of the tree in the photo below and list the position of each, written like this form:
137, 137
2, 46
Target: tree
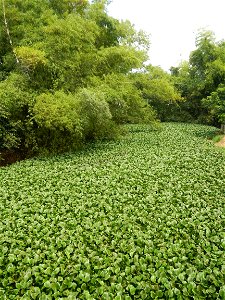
201, 76
216, 105
64, 7
157, 89
60, 48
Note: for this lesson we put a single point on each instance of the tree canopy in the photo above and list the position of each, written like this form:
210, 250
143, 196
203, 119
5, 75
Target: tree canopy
201, 80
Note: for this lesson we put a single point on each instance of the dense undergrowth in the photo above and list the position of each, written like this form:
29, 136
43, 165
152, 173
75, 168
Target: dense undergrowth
140, 218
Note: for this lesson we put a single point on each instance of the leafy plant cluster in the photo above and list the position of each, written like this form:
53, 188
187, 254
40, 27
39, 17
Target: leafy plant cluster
139, 218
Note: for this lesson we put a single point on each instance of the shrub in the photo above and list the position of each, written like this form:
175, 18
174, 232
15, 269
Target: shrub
96, 116
58, 121
66, 121
125, 101
15, 119
215, 103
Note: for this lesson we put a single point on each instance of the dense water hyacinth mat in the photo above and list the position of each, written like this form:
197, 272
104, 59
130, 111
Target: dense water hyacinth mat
140, 218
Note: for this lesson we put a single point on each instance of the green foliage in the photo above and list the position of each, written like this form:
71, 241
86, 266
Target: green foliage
64, 7
158, 90
95, 114
15, 118
200, 78
59, 47
216, 104
113, 32
109, 28
119, 60
30, 58
140, 218
25, 19
34, 64
68, 120
125, 100
217, 138
57, 111
71, 60
58, 120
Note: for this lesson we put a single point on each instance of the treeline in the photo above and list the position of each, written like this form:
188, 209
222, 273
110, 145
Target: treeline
201, 81
70, 73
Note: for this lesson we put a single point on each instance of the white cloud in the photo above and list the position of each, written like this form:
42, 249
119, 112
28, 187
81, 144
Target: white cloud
173, 24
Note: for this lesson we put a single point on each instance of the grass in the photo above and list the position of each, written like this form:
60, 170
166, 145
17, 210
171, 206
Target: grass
140, 218
217, 138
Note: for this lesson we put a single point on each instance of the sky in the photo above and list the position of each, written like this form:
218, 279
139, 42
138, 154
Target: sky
172, 24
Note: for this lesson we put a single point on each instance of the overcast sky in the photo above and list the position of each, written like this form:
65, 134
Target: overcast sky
173, 24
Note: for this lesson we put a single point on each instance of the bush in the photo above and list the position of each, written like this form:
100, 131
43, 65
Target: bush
96, 116
125, 101
66, 121
15, 119
215, 103
58, 121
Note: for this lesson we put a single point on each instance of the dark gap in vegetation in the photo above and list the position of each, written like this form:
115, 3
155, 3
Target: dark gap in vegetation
8, 157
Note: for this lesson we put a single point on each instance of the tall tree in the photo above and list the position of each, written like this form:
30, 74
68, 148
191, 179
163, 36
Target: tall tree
157, 89
202, 76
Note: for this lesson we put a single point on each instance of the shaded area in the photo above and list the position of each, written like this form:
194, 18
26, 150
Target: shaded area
8, 157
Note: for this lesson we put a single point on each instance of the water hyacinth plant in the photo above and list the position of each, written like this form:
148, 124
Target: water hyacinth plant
140, 218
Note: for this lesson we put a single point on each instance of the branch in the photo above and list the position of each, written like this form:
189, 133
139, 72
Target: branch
7, 30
